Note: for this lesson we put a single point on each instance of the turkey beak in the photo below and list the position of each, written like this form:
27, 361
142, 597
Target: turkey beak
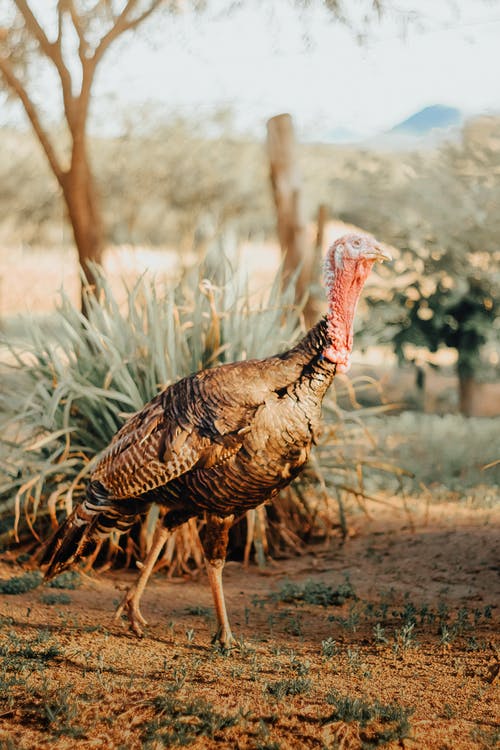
381, 254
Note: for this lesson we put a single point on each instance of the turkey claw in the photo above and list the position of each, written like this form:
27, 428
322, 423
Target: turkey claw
225, 642
130, 607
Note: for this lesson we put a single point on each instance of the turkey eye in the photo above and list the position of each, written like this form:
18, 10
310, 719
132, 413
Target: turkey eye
356, 243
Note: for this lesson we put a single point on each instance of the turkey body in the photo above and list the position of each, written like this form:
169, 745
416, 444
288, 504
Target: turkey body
222, 440
216, 443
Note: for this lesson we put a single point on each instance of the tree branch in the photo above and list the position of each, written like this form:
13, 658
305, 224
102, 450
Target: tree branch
35, 28
77, 23
53, 51
123, 24
60, 21
18, 88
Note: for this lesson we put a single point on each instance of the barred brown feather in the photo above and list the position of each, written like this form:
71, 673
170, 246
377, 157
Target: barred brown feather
222, 440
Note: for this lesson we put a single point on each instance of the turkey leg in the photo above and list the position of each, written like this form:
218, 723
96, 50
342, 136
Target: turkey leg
214, 540
130, 602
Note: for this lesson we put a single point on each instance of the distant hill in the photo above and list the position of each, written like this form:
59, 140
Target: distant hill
429, 118
427, 128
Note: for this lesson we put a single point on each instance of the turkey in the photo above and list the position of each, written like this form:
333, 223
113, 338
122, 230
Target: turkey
220, 442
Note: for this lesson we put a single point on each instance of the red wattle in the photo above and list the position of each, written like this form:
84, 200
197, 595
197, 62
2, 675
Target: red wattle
341, 359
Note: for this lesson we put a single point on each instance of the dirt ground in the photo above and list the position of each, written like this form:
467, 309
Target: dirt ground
385, 640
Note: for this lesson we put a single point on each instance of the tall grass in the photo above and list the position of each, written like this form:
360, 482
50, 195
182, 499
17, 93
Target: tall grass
68, 389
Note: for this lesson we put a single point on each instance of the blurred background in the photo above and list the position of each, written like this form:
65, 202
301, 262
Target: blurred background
151, 138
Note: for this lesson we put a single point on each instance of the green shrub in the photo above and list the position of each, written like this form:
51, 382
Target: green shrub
377, 723
315, 592
180, 723
33, 578
66, 390
21, 584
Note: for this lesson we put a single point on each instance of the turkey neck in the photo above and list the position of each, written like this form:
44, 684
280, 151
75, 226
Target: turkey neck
308, 368
344, 284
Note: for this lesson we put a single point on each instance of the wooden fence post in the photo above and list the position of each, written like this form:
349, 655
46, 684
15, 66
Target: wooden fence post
316, 299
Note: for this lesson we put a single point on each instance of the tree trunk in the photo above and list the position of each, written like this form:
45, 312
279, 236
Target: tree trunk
84, 212
467, 362
466, 390
286, 186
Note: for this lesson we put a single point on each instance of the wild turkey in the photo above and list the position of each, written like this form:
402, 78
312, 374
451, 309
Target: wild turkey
221, 441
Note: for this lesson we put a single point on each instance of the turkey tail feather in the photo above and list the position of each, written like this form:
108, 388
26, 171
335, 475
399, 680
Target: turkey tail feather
89, 521
69, 542
96, 517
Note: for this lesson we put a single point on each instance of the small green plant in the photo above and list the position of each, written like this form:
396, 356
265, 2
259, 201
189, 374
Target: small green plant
486, 738
294, 624
59, 710
472, 644
180, 723
263, 736
462, 624
315, 592
33, 578
198, 611
70, 579
446, 635
301, 668
377, 723
404, 638
351, 622
329, 648
409, 613
379, 633
354, 660
443, 612
448, 711
52, 598
179, 677
293, 686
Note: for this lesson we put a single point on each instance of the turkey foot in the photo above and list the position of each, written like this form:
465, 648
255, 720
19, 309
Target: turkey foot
130, 605
131, 600
225, 640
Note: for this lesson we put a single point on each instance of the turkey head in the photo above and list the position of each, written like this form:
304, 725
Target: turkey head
347, 265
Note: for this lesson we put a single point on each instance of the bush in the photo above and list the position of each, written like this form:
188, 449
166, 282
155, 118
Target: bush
68, 388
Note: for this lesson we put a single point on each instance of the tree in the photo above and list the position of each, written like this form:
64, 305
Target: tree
442, 211
24, 43
74, 38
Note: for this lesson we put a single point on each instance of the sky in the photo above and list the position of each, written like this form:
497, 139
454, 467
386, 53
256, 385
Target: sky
260, 62
266, 59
